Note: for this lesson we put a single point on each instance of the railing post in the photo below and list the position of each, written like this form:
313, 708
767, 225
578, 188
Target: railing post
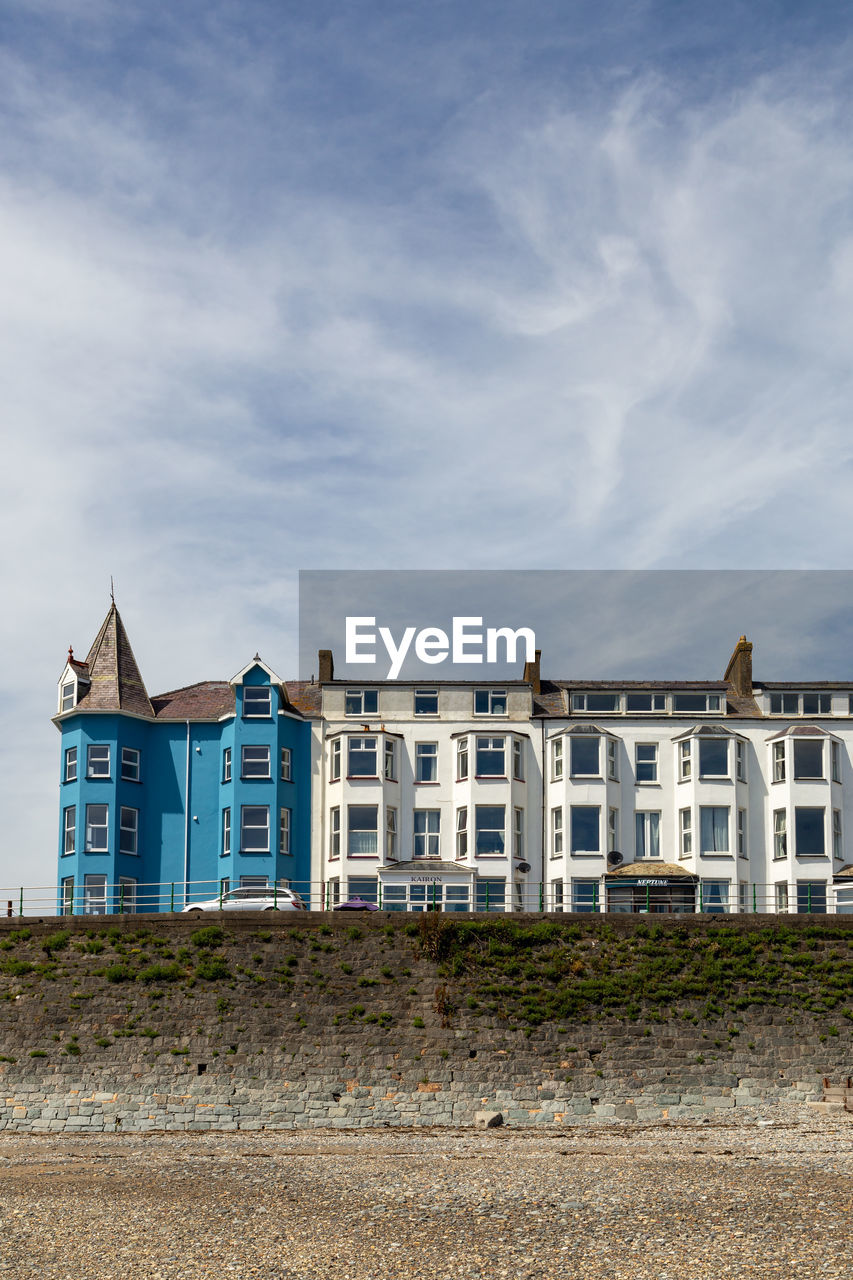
21, 902
648, 899
220, 893
121, 899
810, 896
595, 898
701, 899
172, 900
541, 896
379, 891
754, 907
487, 895
275, 895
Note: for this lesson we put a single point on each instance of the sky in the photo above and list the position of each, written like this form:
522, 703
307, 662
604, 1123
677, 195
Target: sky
553, 285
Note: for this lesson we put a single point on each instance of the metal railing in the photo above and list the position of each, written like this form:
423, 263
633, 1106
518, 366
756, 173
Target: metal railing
487, 896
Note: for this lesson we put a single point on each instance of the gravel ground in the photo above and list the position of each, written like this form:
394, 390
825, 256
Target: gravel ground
760, 1193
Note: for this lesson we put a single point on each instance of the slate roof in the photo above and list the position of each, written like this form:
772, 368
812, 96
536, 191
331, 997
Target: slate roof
209, 700
115, 683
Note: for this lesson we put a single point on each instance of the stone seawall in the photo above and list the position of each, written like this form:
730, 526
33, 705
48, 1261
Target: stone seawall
289, 1021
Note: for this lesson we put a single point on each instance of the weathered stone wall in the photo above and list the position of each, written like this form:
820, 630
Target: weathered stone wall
323, 1020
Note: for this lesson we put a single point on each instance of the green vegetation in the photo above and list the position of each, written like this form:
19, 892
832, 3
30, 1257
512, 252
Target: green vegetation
211, 968
208, 938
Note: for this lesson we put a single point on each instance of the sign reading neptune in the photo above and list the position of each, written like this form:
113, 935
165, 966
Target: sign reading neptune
467, 643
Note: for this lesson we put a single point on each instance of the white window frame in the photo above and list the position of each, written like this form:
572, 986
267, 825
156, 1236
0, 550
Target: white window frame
335, 760
255, 760
557, 759
837, 833
128, 830
713, 777
518, 833
95, 894
557, 831
426, 762
92, 827
781, 896
780, 834
584, 737
284, 824
462, 759
286, 764
578, 850
246, 827
67, 699
778, 766
70, 764
130, 768
461, 832
69, 830
685, 760
255, 696
67, 895
482, 831
585, 703
226, 832
353, 831
490, 746
126, 895
799, 743
518, 759
358, 702
814, 808
742, 851
835, 760
740, 760
613, 759
650, 764
649, 822
715, 808
334, 833
612, 829
491, 698
226, 764
389, 759
98, 766
425, 693
390, 835
685, 827
356, 745
429, 838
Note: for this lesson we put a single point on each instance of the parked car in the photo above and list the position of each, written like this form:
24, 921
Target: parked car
356, 904
253, 899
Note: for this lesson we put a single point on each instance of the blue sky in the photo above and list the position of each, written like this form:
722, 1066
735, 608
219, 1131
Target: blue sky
392, 285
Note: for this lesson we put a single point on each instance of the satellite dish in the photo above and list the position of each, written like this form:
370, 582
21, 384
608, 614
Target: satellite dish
614, 858
522, 866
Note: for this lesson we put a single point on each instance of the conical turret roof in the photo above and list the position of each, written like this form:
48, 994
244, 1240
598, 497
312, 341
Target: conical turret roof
115, 680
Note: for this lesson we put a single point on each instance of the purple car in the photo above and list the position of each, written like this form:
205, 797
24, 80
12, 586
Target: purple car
356, 904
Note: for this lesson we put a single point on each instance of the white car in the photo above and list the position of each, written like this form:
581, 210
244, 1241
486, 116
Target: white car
253, 899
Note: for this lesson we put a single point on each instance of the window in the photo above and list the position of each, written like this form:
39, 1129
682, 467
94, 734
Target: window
778, 762
518, 759
361, 702
556, 895
255, 828
647, 834
226, 832
462, 832
584, 828
684, 761
226, 765
714, 829
335, 760
390, 835
427, 823
613, 759
97, 761
461, 759
95, 895
696, 702
257, 701
426, 761
612, 829
489, 825
715, 895
556, 759
741, 833
390, 760
836, 834
808, 833
787, 704
646, 757
333, 892
67, 908
518, 833
743, 896
584, 756
361, 758
66, 698
70, 765
490, 702
490, 895
286, 765
808, 758
740, 760
584, 895
781, 895
595, 701
364, 887
335, 832
130, 763
69, 829
456, 897
426, 702
255, 762
284, 831
126, 895
835, 757
490, 758
128, 831
686, 826
362, 831
556, 832
253, 882
811, 896
97, 829
645, 702
713, 758
817, 704
780, 833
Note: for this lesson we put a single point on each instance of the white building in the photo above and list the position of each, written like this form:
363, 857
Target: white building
561, 795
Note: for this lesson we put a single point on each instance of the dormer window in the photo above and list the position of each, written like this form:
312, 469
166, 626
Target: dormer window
794, 704
362, 702
67, 697
694, 702
645, 702
257, 701
595, 702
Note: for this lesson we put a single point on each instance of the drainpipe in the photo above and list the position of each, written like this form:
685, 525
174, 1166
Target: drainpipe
187, 821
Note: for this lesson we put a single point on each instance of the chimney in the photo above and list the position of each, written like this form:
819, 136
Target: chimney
739, 670
326, 668
531, 672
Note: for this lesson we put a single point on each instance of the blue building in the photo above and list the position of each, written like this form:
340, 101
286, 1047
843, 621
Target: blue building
174, 798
